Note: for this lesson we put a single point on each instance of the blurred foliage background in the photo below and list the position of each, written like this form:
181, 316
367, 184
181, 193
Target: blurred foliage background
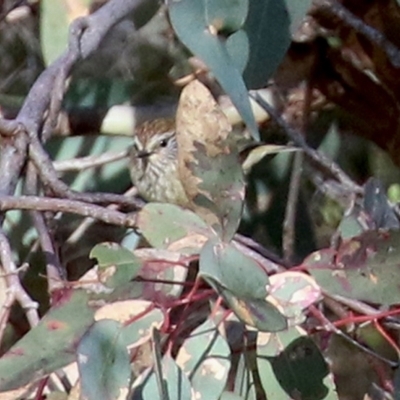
331, 70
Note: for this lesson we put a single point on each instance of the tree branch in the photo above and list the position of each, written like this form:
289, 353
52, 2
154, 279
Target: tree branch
14, 285
318, 157
85, 36
69, 206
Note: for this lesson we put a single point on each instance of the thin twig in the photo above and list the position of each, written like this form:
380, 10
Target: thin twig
50, 180
78, 233
53, 264
5, 311
54, 271
289, 223
313, 154
332, 8
331, 188
13, 283
269, 266
248, 242
328, 325
85, 36
69, 206
355, 305
82, 163
9, 128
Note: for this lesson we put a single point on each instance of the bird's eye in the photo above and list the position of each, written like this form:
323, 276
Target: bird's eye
164, 143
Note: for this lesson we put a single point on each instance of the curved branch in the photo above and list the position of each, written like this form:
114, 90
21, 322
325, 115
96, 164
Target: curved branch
69, 206
85, 36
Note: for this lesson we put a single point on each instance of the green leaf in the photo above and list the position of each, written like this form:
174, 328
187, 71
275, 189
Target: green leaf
48, 346
221, 189
230, 268
243, 284
226, 15
375, 339
169, 226
257, 313
205, 358
138, 318
177, 385
103, 362
139, 330
363, 268
244, 379
54, 28
238, 48
292, 292
256, 154
290, 365
167, 381
117, 265
164, 274
267, 28
297, 11
190, 20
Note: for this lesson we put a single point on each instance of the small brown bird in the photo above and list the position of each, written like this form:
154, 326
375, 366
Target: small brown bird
154, 163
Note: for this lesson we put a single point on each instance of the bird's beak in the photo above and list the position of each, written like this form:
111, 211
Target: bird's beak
143, 154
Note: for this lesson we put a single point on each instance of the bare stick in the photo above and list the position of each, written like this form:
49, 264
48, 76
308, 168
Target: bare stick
14, 285
328, 325
313, 154
268, 266
5, 312
9, 128
332, 8
53, 264
82, 163
69, 206
85, 37
289, 223
50, 180
77, 234
248, 242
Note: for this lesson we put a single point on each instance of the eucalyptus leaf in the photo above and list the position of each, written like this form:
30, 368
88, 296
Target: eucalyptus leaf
103, 362
169, 226
267, 27
190, 20
242, 283
363, 268
49, 345
226, 15
290, 365
54, 28
117, 265
205, 358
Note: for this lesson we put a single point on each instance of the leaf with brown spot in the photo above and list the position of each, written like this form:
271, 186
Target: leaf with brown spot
208, 160
364, 268
48, 346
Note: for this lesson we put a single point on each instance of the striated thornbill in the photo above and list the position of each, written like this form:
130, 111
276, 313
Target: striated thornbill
154, 163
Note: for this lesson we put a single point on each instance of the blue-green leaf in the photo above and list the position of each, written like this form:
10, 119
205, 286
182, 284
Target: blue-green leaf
103, 361
190, 20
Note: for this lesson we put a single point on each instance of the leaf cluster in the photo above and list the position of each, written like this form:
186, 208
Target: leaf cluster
160, 302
